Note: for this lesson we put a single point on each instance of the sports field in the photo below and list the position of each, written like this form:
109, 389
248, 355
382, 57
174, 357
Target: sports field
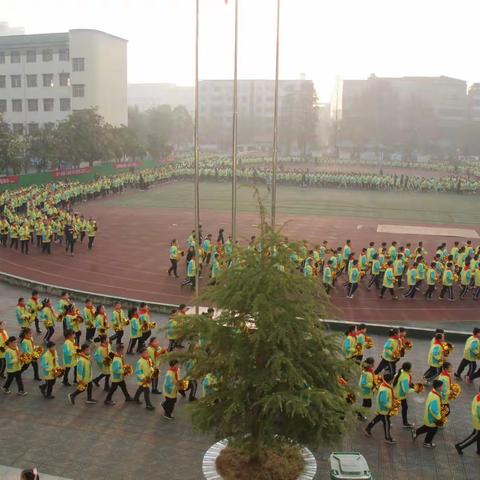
429, 208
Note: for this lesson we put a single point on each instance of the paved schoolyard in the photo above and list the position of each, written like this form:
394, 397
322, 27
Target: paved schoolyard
127, 442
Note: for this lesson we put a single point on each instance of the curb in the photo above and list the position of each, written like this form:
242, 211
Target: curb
165, 308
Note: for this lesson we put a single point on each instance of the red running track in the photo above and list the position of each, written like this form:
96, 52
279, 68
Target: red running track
130, 259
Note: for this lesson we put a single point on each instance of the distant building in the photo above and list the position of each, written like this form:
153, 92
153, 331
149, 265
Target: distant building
411, 112
149, 95
44, 77
474, 102
297, 103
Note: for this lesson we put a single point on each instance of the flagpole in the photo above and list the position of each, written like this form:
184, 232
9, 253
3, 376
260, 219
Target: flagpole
275, 122
197, 160
235, 127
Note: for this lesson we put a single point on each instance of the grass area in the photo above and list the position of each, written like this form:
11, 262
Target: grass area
439, 208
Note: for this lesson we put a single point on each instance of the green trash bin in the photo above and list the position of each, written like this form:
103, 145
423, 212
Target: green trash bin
349, 466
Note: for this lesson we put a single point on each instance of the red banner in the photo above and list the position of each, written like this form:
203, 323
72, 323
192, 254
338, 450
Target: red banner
162, 161
126, 165
8, 180
70, 171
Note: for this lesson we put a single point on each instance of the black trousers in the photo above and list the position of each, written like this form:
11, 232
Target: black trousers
352, 287
70, 244
429, 292
472, 366
49, 334
432, 373
46, 248
18, 378
90, 242
146, 395
374, 280
118, 335
327, 287
39, 240
476, 294
14, 241
143, 339
168, 405
446, 290
3, 364
367, 403
385, 419
192, 389
430, 431
3, 239
390, 289
173, 268
412, 290
472, 438
391, 367
48, 387
65, 375
463, 291
89, 391
399, 279
90, 333
34, 365
107, 380
24, 246
37, 325
404, 411
132, 343
113, 389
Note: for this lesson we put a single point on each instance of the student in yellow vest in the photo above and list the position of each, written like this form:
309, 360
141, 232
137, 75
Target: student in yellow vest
435, 358
154, 353
431, 281
3, 344
48, 365
174, 253
471, 353
446, 378
14, 233
388, 281
48, 317
24, 234
92, 229
390, 354
118, 376
135, 329
118, 321
402, 387
475, 435
431, 416
447, 283
89, 319
366, 384
170, 389
84, 376
144, 372
70, 357
411, 281
103, 359
14, 367
385, 397
27, 347
476, 282
34, 306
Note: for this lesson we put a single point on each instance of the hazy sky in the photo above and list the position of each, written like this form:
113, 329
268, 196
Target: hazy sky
350, 38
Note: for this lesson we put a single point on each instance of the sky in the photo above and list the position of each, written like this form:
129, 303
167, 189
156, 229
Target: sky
319, 38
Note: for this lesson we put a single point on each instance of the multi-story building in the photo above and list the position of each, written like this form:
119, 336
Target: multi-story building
297, 103
150, 95
44, 77
397, 111
474, 102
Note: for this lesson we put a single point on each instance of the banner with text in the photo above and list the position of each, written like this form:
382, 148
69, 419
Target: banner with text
68, 172
9, 180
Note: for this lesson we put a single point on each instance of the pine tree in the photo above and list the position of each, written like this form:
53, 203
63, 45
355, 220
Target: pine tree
276, 367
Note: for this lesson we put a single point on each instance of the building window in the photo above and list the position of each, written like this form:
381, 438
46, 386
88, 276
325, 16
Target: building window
47, 55
31, 56
48, 79
2, 57
78, 64
64, 54
64, 79
32, 104
18, 128
16, 105
3, 106
78, 91
31, 80
2, 81
32, 128
48, 104
65, 105
16, 81
14, 57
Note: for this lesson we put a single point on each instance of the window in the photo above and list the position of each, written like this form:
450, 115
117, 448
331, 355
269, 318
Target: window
15, 57
65, 105
64, 54
16, 105
48, 104
2, 81
3, 106
2, 57
47, 55
16, 81
78, 91
64, 79
32, 127
18, 128
78, 64
32, 104
31, 80
48, 79
31, 56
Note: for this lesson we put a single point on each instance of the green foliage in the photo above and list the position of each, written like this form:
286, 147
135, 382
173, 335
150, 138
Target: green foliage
12, 148
278, 381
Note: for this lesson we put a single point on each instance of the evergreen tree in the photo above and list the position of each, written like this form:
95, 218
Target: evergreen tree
276, 367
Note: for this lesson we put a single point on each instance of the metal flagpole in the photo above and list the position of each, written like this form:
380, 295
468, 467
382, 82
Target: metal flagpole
235, 125
275, 122
197, 195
